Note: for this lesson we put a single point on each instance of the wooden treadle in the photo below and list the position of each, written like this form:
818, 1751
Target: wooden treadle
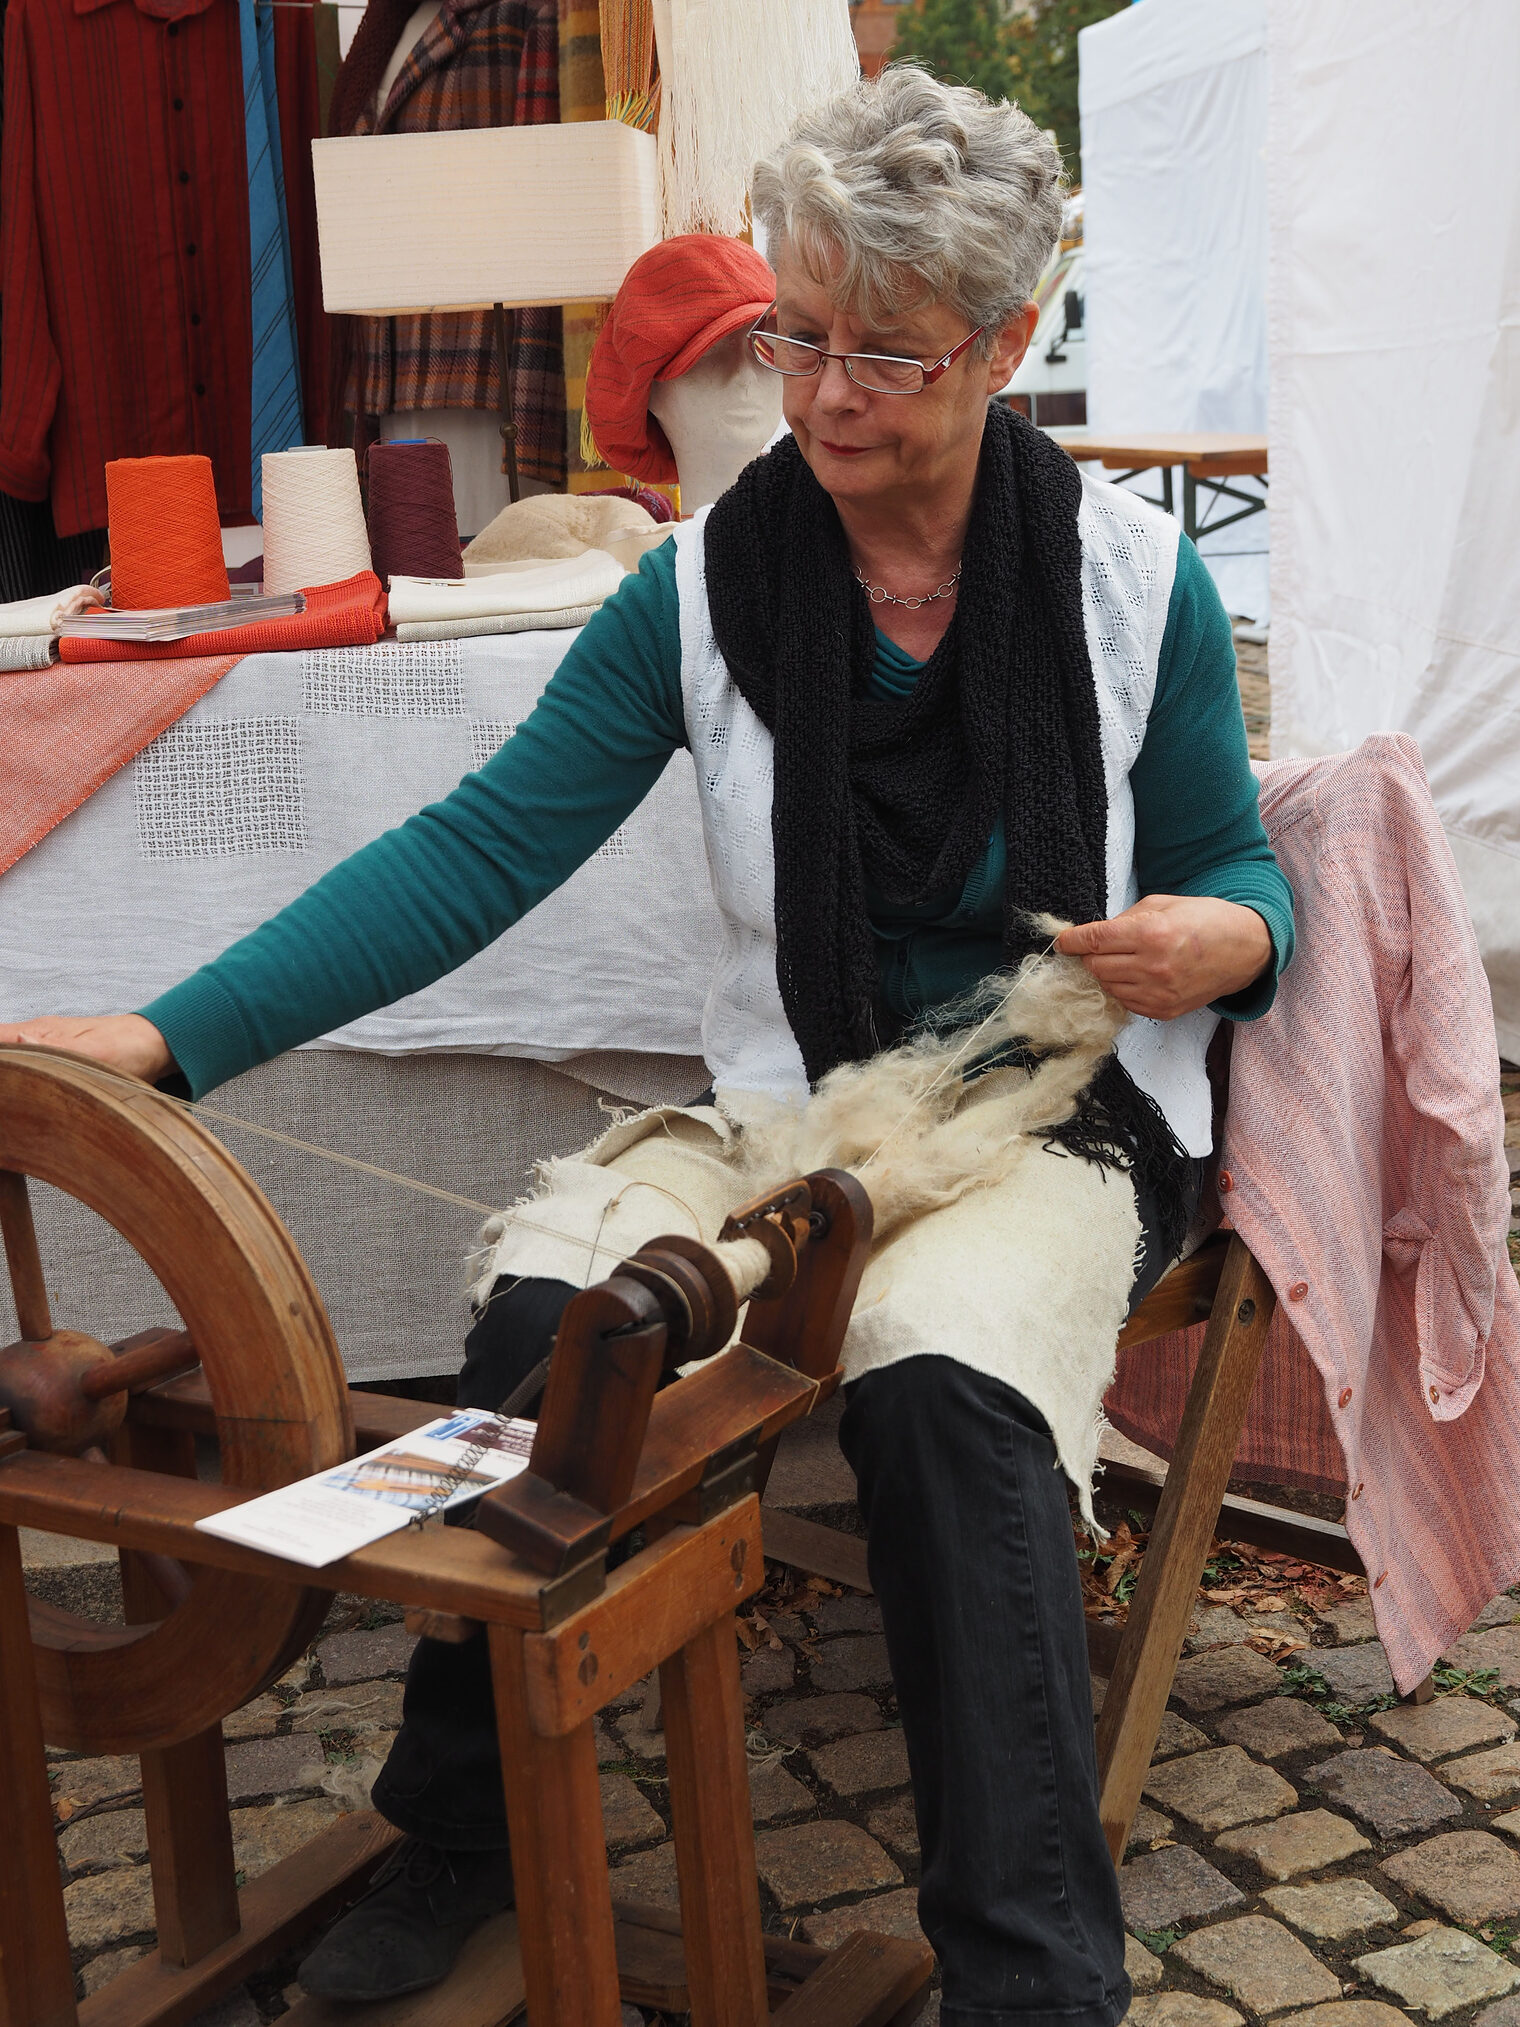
485, 1988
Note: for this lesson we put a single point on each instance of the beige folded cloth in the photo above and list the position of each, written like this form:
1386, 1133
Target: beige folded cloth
43, 615
564, 524
501, 622
26, 651
517, 587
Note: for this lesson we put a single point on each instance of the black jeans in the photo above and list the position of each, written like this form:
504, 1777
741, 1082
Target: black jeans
972, 1559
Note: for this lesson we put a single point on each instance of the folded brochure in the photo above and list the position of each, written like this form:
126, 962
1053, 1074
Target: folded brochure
319, 1519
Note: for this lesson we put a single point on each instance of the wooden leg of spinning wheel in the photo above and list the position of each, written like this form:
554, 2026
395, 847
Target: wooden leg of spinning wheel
195, 1900
559, 1857
1179, 1541
36, 1977
714, 1830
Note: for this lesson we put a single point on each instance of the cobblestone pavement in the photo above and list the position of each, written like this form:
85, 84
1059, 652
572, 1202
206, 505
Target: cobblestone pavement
1306, 1841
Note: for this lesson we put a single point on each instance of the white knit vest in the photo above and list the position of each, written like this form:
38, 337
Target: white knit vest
1129, 559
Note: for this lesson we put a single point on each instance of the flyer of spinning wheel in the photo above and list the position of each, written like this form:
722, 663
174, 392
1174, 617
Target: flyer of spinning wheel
322, 1518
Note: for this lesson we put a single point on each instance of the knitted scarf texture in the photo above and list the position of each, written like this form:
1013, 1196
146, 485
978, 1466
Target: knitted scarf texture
903, 793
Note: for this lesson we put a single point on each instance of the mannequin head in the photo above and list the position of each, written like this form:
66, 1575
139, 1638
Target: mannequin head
672, 392
716, 416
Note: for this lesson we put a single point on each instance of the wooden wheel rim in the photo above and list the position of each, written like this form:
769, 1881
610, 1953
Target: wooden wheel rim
206, 1231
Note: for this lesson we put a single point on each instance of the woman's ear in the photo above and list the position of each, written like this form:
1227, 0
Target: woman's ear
1013, 341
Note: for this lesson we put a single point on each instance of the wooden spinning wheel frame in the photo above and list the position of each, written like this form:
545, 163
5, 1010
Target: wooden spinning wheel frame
209, 1639
209, 1623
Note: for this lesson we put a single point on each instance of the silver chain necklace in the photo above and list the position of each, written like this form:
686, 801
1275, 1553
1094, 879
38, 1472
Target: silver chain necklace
879, 594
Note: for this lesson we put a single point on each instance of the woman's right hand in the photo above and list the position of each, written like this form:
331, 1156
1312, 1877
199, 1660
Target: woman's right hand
121, 1041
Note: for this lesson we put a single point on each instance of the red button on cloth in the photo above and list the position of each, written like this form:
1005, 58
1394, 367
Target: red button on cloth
1298, 1291
1435, 1393
1381, 1581
1226, 1182
1346, 1397
1358, 1493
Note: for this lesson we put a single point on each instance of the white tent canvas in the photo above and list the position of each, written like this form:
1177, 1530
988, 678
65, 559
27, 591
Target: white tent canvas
1173, 100
1395, 413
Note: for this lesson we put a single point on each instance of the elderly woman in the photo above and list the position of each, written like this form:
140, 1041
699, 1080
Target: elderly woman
934, 683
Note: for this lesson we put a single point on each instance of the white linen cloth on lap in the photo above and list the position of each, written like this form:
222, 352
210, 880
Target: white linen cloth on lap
1027, 1279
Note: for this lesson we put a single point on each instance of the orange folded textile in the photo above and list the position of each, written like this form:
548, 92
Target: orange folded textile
347, 615
68, 730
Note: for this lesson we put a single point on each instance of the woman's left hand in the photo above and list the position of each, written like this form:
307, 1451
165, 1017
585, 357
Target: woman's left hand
1171, 953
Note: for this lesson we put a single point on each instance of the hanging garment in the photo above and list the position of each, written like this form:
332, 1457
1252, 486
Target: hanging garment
123, 248
33, 560
480, 63
276, 392
298, 32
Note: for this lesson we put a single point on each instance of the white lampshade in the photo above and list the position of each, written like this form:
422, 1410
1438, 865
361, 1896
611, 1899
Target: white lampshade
457, 221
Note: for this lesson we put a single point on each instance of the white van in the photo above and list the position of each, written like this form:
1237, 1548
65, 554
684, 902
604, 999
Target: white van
1050, 386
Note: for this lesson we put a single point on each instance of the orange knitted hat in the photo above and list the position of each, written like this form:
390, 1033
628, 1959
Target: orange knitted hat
676, 302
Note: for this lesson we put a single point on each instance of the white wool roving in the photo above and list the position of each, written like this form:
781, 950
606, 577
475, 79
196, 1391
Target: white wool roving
918, 1125
735, 75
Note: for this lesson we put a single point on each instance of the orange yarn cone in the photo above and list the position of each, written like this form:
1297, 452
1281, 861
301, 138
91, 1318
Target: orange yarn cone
166, 533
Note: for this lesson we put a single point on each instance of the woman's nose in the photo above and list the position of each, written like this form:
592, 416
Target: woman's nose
835, 389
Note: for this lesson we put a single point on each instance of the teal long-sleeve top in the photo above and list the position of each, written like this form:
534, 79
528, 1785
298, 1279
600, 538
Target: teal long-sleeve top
423, 898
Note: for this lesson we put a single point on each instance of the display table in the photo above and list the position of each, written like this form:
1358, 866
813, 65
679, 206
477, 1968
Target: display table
287, 766
1207, 458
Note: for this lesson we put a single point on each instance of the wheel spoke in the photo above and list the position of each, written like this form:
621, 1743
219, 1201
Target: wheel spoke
27, 1285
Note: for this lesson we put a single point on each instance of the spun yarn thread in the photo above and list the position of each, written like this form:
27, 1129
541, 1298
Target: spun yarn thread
165, 533
413, 529
314, 530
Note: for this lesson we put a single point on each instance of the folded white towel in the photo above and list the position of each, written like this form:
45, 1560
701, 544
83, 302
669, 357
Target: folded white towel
45, 615
495, 622
517, 588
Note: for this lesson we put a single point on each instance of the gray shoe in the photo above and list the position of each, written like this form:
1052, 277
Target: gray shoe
407, 1932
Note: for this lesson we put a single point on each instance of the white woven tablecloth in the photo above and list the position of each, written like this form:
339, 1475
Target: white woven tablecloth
290, 764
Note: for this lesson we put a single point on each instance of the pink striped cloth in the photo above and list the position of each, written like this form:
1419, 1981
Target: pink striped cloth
1364, 1145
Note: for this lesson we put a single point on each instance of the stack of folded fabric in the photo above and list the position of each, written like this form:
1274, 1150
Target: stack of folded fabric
29, 626
350, 614
517, 598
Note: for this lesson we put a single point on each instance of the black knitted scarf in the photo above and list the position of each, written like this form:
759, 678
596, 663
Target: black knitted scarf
904, 793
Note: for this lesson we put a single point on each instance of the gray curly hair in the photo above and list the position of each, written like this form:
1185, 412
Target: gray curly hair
903, 191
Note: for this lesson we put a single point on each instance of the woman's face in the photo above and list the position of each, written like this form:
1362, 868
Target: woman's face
865, 447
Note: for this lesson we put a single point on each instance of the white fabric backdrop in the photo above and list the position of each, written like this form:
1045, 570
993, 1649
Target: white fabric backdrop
1395, 431
1174, 120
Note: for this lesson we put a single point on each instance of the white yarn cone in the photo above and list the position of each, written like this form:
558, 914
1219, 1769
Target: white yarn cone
735, 77
314, 530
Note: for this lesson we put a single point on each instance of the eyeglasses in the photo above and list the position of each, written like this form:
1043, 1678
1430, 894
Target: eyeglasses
878, 372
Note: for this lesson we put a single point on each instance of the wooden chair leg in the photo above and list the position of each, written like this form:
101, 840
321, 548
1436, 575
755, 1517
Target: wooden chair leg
189, 1827
714, 1831
1179, 1544
36, 1977
559, 1857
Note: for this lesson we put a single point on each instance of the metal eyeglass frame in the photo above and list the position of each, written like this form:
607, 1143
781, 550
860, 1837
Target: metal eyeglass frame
930, 373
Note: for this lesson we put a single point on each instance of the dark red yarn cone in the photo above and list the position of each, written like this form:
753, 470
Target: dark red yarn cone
413, 531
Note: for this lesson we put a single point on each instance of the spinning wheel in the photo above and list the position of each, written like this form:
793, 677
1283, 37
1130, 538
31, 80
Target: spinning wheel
211, 1621
206, 1639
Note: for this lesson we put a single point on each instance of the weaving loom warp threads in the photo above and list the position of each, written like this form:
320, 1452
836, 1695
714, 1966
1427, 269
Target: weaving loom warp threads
165, 533
734, 77
314, 530
413, 531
